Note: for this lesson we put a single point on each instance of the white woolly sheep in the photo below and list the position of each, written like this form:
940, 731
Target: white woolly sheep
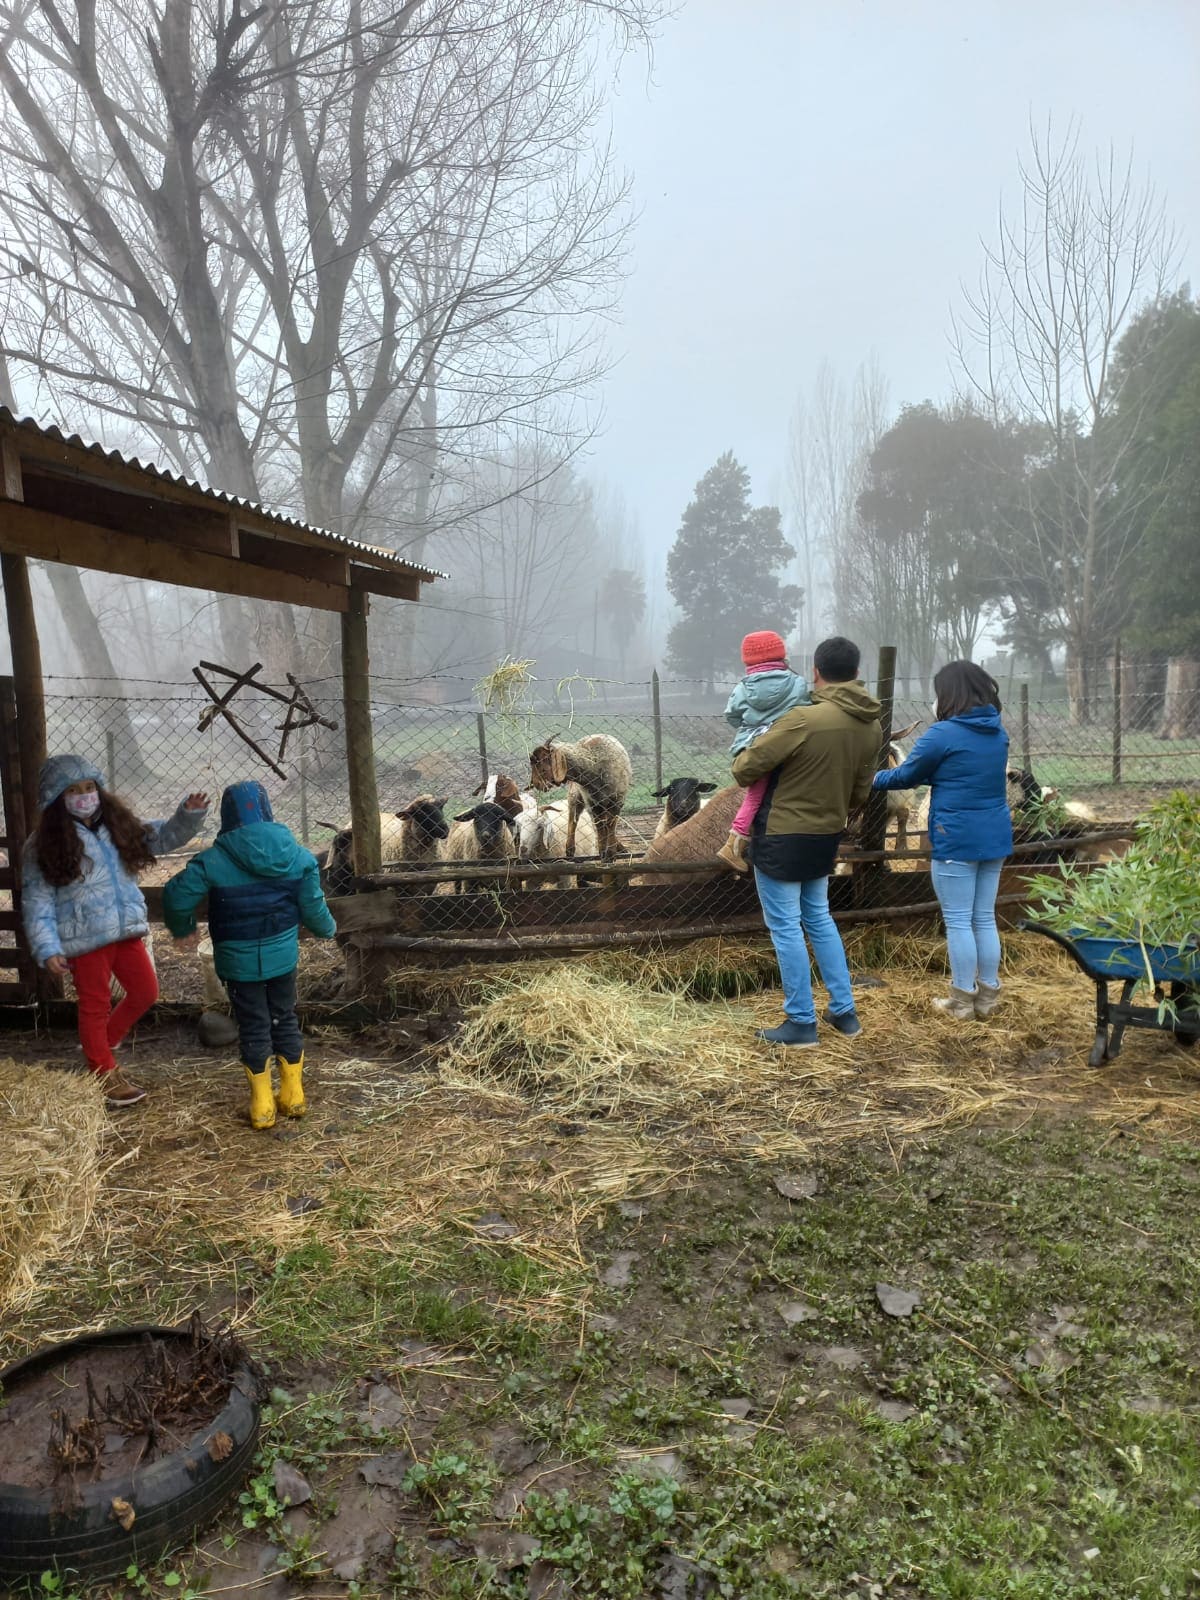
682, 797
597, 772
543, 837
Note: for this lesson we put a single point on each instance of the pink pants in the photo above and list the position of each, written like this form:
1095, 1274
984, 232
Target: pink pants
748, 809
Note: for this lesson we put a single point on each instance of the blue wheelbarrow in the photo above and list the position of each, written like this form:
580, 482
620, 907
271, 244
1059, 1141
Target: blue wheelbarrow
1174, 969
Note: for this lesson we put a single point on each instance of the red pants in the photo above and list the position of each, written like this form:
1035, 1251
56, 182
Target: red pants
100, 1025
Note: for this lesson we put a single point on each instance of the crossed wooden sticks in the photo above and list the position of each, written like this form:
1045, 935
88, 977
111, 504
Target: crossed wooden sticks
301, 713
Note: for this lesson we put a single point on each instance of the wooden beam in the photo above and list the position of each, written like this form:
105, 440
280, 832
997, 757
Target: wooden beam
281, 555
196, 527
360, 746
391, 585
48, 537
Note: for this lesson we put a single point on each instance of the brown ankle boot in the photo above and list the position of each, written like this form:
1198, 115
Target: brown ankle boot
733, 852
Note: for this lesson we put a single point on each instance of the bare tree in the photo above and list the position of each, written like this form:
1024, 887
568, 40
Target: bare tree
1036, 341
317, 254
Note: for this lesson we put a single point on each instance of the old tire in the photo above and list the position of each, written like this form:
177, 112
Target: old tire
172, 1497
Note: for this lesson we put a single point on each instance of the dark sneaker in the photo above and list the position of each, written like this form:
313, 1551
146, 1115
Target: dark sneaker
844, 1022
119, 1090
801, 1034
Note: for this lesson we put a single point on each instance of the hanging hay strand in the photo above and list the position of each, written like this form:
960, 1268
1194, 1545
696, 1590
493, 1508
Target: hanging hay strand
51, 1131
507, 688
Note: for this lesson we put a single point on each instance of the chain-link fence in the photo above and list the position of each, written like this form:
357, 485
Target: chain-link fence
153, 751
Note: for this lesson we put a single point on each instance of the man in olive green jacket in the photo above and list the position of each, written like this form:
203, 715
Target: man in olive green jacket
821, 759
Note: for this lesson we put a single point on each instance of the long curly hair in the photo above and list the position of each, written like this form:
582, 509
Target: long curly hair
60, 849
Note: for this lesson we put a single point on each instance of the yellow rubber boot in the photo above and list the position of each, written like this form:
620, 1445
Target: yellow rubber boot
290, 1099
262, 1101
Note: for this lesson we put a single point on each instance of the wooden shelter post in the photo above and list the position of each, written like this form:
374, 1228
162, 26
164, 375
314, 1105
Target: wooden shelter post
23, 640
360, 747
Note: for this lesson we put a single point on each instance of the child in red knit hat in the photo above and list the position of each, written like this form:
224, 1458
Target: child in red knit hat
769, 688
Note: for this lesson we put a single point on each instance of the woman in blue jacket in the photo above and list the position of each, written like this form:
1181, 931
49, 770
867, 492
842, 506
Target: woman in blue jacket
964, 759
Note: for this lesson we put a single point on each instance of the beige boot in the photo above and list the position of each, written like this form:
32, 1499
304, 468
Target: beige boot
987, 999
733, 852
959, 1004
290, 1098
262, 1101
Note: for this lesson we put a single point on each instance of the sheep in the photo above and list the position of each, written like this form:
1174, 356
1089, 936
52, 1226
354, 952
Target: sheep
485, 833
543, 837
682, 796
1028, 800
698, 839
900, 801
597, 772
503, 790
409, 835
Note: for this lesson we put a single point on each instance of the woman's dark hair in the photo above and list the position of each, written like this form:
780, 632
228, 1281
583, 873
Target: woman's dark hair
60, 849
961, 686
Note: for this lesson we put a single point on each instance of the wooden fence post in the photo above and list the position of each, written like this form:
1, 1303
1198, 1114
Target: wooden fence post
304, 829
657, 705
874, 828
481, 729
1026, 754
360, 740
1117, 718
110, 758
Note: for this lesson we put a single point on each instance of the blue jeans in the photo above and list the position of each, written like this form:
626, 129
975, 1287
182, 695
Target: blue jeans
791, 910
966, 892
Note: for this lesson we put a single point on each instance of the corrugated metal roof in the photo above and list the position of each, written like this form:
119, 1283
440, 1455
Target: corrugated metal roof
372, 553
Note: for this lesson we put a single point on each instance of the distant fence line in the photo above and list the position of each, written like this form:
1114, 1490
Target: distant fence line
152, 751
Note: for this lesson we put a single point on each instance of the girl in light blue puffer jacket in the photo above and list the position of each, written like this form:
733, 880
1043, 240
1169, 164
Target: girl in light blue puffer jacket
81, 906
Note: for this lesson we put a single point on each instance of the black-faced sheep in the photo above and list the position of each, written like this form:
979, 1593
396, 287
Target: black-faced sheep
682, 797
486, 833
597, 772
413, 834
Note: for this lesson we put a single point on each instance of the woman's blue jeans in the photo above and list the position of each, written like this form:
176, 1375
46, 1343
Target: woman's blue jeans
791, 910
966, 892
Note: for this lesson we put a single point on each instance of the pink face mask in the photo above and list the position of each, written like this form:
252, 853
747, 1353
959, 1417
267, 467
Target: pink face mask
83, 805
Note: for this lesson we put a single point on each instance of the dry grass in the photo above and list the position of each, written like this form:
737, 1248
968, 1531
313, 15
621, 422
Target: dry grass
52, 1129
571, 1085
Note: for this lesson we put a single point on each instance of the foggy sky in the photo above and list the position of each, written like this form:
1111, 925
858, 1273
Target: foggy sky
813, 179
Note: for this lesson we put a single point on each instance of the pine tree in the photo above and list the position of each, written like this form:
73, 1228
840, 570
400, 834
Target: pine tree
723, 574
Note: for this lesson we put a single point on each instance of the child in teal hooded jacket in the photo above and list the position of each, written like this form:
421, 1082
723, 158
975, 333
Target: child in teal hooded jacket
262, 886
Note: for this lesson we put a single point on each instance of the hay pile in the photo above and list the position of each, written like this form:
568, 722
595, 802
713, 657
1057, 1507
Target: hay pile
576, 1040
51, 1129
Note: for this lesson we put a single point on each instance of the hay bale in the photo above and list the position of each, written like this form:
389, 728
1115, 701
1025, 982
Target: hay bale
51, 1129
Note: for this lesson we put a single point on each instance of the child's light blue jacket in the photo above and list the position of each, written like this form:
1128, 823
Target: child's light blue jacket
105, 903
760, 699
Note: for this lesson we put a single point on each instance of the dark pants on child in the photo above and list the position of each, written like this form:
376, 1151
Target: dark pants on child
266, 1019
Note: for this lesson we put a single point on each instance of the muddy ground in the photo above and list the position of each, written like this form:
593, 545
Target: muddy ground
959, 1363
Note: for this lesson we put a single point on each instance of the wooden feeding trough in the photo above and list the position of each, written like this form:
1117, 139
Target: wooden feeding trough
63, 499
520, 910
